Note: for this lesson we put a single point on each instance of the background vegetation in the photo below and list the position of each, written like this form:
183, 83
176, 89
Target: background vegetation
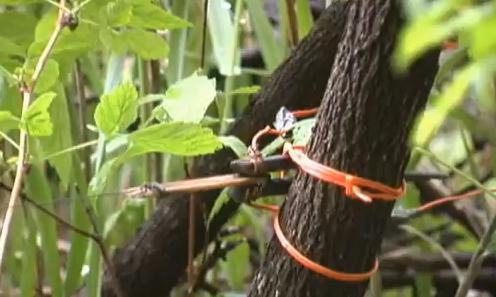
131, 89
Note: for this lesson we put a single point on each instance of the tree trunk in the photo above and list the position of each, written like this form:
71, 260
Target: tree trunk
153, 262
362, 128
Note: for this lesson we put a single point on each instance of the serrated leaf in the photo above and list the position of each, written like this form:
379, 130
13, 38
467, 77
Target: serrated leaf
147, 15
147, 45
184, 139
234, 143
188, 99
115, 41
117, 109
37, 119
117, 13
61, 138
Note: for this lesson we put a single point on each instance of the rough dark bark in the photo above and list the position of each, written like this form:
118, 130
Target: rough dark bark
152, 263
363, 125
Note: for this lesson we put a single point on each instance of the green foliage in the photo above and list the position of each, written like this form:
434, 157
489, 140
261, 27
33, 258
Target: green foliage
117, 109
37, 119
195, 91
126, 78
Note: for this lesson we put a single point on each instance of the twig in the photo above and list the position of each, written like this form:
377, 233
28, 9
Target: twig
94, 236
83, 135
191, 243
437, 246
27, 92
52, 215
476, 262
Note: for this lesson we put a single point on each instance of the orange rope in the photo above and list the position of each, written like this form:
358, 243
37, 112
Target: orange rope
352, 184
354, 187
444, 200
305, 261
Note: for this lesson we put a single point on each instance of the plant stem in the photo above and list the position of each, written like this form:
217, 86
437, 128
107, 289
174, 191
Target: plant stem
27, 93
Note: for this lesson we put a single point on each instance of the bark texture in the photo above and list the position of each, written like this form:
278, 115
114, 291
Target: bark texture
362, 128
153, 262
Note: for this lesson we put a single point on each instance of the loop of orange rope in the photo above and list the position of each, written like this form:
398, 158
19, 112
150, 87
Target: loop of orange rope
316, 267
306, 262
353, 185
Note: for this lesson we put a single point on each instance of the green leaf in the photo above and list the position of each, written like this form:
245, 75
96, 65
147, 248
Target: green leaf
442, 105
8, 121
237, 265
61, 138
37, 118
70, 44
28, 276
223, 35
482, 39
10, 48
115, 41
79, 243
48, 77
117, 13
17, 2
429, 30
188, 99
304, 17
245, 90
272, 51
117, 109
234, 143
184, 139
147, 45
18, 27
38, 189
147, 15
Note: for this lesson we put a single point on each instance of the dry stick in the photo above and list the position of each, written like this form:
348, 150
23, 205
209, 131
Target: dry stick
293, 30
23, 137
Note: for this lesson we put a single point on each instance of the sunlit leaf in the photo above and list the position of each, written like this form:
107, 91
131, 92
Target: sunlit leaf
146, 44
117, 109
147, 15
188, 99
37, 119
184, 139
443, 104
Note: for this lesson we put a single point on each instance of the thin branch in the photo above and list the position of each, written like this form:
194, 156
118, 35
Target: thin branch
23, 137
476, 262
83, 134
191, 243
204, 34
